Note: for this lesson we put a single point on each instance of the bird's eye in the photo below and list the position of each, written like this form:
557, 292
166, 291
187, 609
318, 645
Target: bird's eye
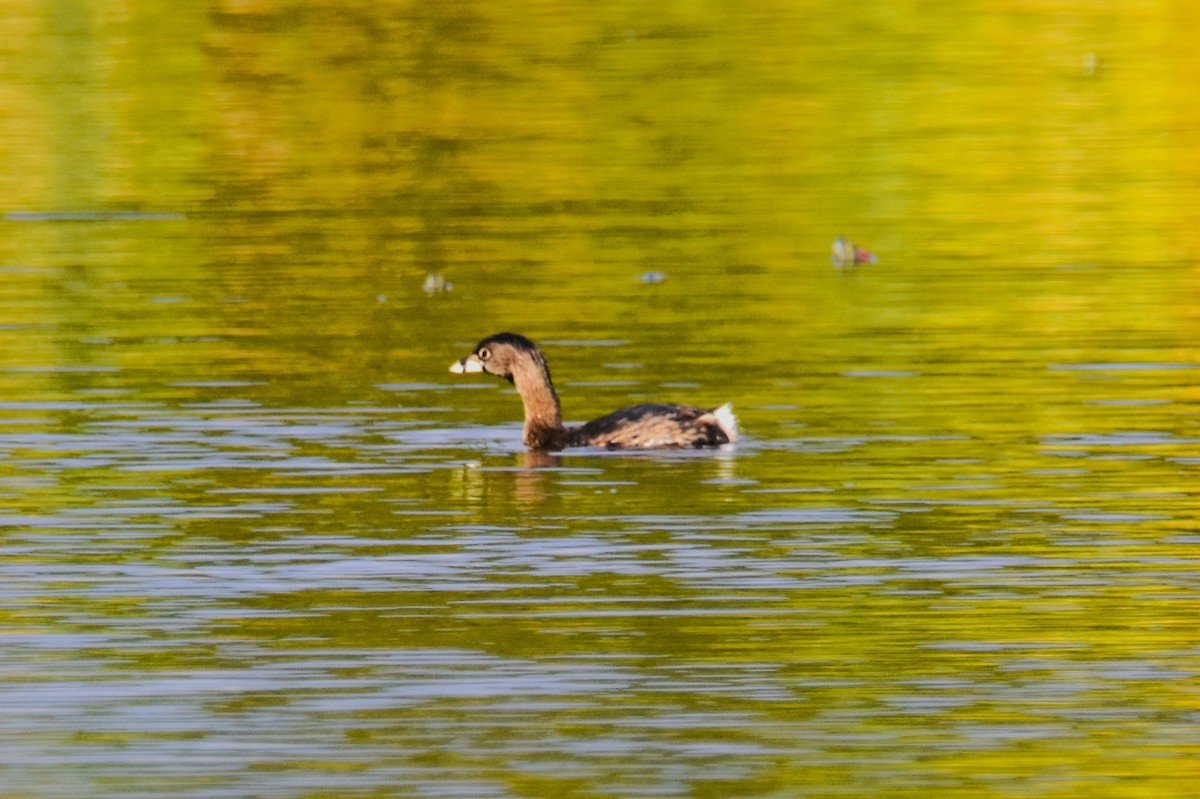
484, 354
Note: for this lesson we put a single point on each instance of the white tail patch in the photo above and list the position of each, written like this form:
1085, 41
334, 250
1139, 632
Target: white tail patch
727, 421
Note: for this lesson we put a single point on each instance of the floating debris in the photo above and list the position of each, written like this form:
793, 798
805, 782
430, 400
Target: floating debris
436, 284
847, 254
653, 277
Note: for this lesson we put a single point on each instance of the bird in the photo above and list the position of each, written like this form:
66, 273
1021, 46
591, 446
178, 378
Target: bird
847, 253
654, 425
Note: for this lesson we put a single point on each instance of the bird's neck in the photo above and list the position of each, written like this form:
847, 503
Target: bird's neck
543, 416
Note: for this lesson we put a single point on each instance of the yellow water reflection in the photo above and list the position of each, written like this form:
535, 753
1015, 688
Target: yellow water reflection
953, 557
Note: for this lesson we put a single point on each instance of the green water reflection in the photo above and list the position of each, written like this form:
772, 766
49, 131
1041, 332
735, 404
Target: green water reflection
255, 541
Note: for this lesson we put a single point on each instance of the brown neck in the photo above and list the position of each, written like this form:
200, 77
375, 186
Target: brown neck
543, 418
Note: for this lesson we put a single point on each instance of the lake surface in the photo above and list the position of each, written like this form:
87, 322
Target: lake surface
256, 541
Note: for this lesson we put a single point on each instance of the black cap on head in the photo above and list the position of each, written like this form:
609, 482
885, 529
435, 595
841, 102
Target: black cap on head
511, 339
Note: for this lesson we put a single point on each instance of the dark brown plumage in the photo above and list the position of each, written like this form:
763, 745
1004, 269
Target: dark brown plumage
649, 426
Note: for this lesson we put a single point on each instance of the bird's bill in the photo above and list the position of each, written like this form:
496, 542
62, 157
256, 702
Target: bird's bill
467, 365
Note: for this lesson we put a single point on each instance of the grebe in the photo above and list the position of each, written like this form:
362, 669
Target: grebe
654, 425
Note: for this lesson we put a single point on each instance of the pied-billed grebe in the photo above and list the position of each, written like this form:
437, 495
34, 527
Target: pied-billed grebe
847, 253
650, 426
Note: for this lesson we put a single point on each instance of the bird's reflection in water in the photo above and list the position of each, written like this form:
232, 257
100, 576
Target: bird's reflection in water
539, 459
523, 479
530, 481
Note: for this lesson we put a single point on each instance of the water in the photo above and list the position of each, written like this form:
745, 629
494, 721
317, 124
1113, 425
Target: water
255, 540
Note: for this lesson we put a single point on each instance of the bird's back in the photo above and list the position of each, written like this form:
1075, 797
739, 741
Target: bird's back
658, 424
